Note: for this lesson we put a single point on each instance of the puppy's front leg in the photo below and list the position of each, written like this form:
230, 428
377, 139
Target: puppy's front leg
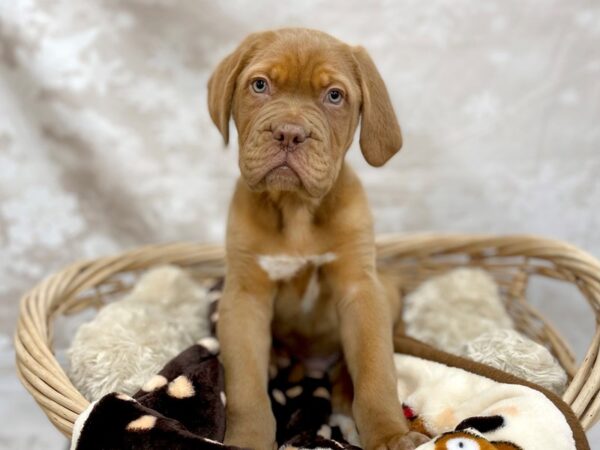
244, 331
366, 323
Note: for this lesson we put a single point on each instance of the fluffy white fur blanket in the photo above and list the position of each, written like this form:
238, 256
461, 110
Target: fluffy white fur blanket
133, 338
461, 312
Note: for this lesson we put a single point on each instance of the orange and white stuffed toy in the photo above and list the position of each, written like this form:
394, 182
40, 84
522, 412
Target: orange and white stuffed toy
464, 405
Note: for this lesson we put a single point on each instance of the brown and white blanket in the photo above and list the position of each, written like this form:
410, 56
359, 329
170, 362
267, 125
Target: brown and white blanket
183, 407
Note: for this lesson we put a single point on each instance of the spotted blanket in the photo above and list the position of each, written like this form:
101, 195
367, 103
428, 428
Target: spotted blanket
183, 407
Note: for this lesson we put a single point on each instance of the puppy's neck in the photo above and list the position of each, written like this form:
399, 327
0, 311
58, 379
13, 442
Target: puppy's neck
285, 224
289, 203
291, 214
294, 217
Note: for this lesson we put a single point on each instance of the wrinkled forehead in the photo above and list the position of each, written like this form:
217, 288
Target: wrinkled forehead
303, 62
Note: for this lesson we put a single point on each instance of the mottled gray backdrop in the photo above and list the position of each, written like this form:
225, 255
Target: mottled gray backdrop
106, 143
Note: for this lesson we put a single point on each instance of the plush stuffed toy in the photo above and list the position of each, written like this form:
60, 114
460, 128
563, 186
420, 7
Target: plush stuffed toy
461, 312
444, 393
133, 338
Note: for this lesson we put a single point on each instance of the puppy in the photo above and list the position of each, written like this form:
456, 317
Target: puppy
300, 246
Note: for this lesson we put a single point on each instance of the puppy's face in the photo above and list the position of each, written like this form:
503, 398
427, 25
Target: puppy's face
296, 109
296, 97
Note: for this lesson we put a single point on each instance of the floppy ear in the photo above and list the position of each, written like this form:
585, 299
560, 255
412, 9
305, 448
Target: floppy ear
483, 424
380, 136
221, 85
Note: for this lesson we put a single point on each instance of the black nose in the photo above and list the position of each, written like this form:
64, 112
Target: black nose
289, 135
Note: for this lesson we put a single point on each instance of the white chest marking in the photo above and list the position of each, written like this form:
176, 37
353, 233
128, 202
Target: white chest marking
284, 267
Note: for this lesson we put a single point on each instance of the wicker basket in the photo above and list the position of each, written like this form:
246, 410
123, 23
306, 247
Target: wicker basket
512, 260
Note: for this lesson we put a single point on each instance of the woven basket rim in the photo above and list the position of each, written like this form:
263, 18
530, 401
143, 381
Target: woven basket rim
47, 382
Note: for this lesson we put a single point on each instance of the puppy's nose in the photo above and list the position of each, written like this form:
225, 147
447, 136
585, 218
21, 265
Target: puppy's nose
289, 135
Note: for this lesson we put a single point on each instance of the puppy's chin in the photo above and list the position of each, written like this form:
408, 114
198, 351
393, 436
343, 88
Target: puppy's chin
279, 180
282, 178
308, 172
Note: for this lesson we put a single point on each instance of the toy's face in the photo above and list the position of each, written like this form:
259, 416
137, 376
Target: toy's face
463, 440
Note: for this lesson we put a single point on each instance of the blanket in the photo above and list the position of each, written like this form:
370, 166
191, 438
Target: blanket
458, 403
183, 407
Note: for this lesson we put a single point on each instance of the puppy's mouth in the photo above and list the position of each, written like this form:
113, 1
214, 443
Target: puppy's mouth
283, 177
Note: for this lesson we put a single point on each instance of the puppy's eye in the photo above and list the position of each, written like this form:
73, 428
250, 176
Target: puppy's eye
260, 86
334, 96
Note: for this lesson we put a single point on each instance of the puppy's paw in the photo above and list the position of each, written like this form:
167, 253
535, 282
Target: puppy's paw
405, 441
